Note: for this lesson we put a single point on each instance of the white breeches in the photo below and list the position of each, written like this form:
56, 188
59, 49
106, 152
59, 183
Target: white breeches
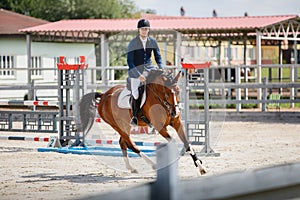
135, 83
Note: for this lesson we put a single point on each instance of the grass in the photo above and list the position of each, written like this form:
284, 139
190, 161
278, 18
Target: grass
275, 73
244, 106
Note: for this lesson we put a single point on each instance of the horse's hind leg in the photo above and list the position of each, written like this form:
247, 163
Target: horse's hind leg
123, 146
128, 143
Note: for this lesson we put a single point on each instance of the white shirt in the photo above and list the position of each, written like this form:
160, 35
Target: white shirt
144, 41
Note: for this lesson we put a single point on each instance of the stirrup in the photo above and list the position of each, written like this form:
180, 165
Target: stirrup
146, 120
134, 121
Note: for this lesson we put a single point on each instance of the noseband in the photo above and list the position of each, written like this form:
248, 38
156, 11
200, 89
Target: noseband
168, 106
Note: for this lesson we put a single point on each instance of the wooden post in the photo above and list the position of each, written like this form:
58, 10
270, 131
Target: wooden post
104, 59
238, 90
206, 148
28, 49
264, 93
258, 62
292, 89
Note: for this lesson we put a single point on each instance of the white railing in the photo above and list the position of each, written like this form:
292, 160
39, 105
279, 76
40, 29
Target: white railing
226, 78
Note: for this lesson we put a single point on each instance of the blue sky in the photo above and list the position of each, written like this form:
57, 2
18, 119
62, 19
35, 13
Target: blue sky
224, 8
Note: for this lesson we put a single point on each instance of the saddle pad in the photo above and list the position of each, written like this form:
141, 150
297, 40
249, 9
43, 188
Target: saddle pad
124, 99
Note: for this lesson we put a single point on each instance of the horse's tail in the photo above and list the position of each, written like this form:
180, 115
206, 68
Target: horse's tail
88, 109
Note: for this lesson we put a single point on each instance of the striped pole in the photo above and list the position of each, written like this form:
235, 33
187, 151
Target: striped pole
21, 138
135, 130
115, 142
92, 142
28, 103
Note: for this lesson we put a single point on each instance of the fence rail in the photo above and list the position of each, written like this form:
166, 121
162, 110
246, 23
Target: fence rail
278, 182
230, 80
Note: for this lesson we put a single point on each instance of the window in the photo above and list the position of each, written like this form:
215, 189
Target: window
199, 51
207, 53
235, 53
225, 52
189, 51
251, 53
36, 63
215, 52
6, 64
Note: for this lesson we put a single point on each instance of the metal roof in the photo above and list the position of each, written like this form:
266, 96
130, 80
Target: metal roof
162, 23
11, 22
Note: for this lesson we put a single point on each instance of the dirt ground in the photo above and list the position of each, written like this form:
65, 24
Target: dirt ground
29, 174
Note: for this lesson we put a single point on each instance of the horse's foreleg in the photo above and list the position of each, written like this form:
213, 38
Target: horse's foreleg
181, 133
147, 159
197, 161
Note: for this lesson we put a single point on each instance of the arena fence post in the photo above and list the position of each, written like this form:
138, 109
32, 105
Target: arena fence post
166, 185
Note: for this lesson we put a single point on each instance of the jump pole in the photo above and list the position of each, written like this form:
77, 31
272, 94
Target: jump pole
28, 103
92, 141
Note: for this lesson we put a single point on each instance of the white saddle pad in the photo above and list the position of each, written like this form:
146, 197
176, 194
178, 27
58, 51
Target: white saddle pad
124, 97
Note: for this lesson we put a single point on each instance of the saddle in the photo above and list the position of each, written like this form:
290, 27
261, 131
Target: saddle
124, 99
125, 95
124, 102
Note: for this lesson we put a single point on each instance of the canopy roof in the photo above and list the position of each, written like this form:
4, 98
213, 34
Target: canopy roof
181, 24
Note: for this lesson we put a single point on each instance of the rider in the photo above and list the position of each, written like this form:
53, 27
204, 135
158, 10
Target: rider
139, 54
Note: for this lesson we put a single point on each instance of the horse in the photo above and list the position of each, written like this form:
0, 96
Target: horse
160, 109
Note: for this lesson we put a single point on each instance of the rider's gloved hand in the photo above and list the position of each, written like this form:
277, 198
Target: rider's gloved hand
142, 78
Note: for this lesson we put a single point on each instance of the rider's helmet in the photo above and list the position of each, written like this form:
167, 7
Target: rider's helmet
143, 23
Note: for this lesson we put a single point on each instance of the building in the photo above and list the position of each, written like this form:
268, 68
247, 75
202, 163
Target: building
44, 56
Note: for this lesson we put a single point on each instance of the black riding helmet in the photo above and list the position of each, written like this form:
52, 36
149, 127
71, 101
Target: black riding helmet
143, 23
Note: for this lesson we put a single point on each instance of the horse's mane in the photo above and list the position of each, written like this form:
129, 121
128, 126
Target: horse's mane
153, 74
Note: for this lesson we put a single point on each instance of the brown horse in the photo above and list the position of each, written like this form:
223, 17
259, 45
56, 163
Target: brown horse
160, 109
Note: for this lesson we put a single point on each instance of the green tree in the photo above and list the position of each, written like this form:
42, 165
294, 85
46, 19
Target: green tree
5, 4
54, 10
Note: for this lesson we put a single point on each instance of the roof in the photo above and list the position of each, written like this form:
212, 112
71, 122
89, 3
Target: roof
150, 16
11, 22
162, 23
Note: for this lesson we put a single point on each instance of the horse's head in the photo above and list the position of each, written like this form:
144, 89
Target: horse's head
165, 89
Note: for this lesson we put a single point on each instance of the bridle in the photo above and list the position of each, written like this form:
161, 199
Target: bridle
169, 107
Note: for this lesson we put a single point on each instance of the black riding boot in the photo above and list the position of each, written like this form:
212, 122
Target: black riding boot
135, 106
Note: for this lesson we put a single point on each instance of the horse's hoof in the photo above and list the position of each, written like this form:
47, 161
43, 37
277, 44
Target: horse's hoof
134, 171
203, 171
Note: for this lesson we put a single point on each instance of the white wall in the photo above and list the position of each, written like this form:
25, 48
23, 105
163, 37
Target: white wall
48, 51
12, 46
